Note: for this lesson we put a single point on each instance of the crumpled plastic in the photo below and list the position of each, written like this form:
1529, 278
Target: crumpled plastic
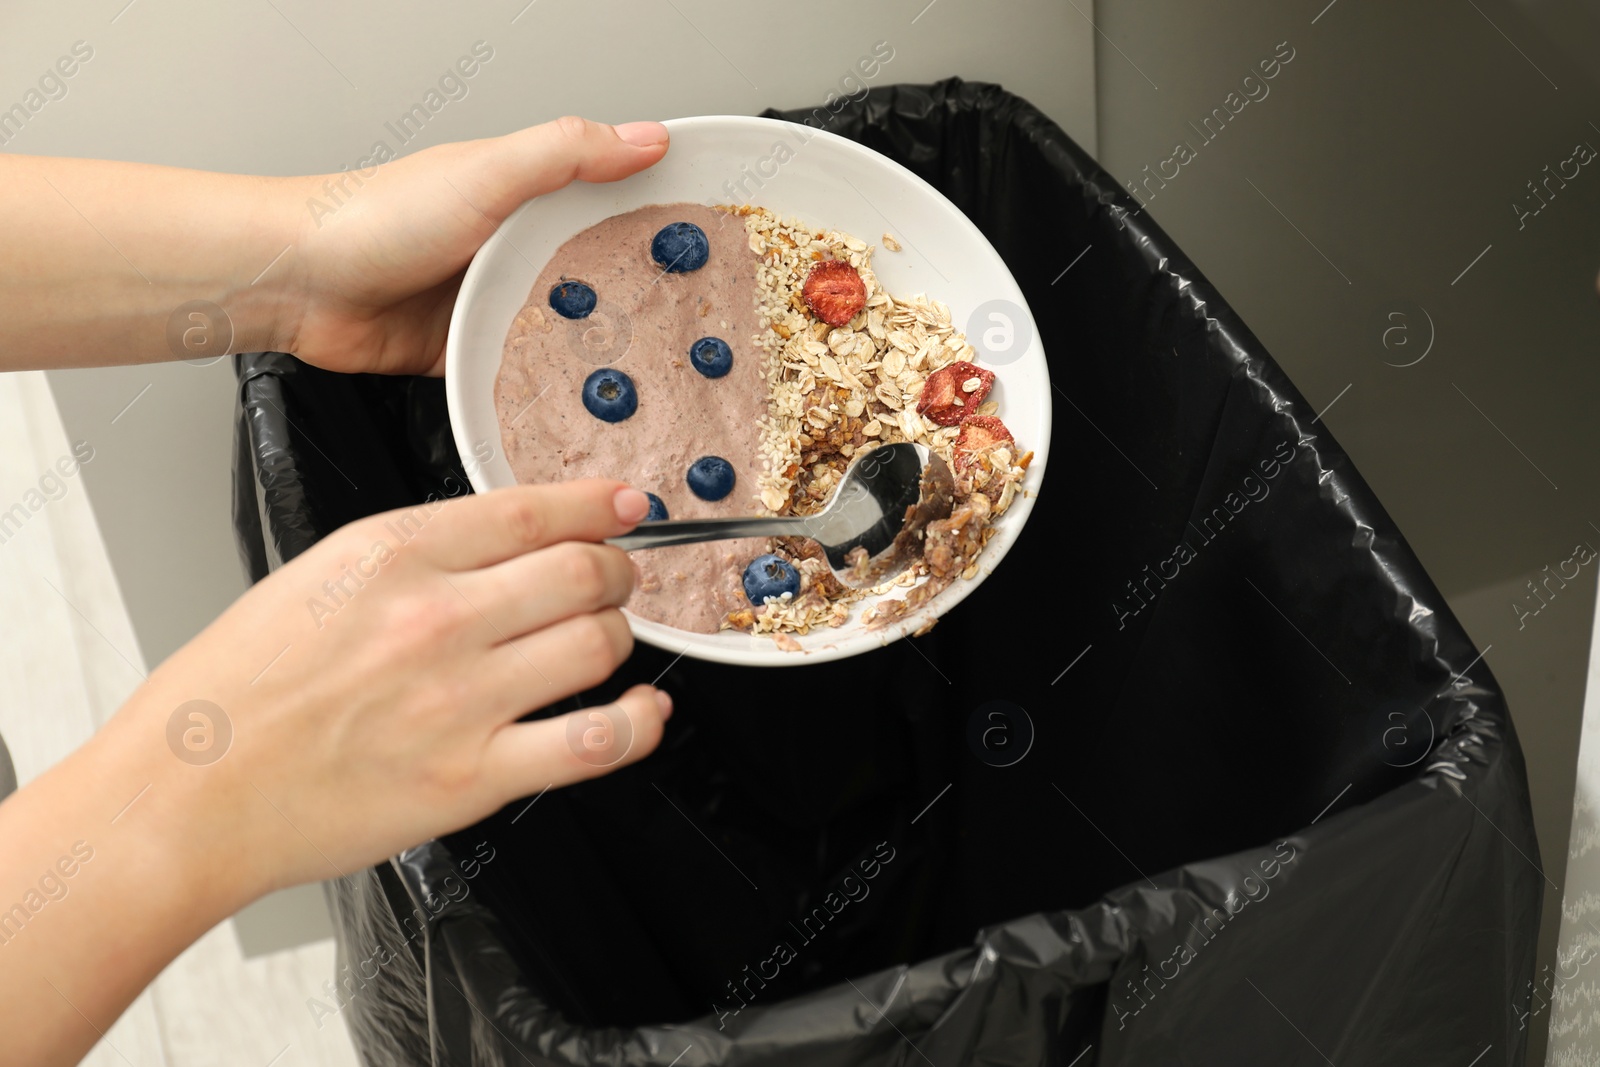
1262, 801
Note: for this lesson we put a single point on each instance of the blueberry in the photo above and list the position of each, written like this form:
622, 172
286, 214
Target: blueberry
680, 247
769, 576
711, 477
711, 356
572, 300
658, 510
609, 395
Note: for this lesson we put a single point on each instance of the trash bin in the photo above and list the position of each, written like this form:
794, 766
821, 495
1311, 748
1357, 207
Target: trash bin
1207, 772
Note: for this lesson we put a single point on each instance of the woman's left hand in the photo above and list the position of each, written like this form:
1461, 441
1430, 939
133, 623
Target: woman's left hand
382, 252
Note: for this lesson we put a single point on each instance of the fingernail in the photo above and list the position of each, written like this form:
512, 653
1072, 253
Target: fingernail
642, 134
664, 702
631, 505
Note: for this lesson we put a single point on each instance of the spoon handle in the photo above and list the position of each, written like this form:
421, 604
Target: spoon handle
693, 531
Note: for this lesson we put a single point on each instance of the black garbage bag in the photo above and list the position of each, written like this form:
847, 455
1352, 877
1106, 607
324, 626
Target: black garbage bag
1207, 772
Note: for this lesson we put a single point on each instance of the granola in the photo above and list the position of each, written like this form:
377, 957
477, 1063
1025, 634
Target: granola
837, 391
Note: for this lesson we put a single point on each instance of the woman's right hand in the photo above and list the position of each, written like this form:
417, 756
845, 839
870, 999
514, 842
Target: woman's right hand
373, 685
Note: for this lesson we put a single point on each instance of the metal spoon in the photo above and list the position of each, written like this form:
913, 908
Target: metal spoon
870, 531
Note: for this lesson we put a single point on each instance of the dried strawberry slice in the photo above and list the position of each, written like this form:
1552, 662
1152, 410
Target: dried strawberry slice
945, 399
979, 433
834, 292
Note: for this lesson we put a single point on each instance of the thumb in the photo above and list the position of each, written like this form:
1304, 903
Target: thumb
541, 159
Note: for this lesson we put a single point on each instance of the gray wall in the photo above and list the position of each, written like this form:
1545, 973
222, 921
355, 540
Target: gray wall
1391, 149
1394, 143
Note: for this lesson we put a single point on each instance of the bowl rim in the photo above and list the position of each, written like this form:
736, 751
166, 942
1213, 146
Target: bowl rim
762, 652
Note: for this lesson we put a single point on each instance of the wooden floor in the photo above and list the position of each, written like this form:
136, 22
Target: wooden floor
68, 653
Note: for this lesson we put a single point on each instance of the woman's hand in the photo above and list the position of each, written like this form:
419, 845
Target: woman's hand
382, 252
373, 685
114, 262
360, 700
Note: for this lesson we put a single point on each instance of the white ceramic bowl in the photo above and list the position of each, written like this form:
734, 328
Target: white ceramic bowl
831, 183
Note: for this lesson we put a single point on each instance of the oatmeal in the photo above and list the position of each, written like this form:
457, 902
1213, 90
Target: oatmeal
897, 370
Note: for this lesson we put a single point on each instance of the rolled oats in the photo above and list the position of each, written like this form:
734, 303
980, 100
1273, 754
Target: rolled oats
838, 392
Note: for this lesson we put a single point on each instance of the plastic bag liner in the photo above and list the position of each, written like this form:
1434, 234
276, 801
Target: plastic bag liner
1207, 772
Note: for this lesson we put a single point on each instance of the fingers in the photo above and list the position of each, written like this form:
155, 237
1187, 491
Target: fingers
489, 528
541, 159
525, 758
532, 591
540, 668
